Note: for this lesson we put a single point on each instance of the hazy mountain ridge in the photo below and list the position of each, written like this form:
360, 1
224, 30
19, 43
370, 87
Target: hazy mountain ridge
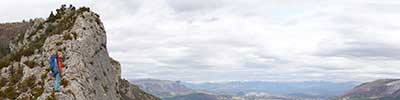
162, 88
313, 89
256, 90
89, 73
382, 89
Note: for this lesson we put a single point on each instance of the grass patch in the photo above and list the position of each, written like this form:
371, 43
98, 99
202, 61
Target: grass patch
16, 75
29, 81
31, 64
26, 84
10, 93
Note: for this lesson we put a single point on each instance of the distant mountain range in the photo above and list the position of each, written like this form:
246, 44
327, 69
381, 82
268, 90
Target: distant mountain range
311, 89
162, 88
249, 90
383, 89
195, 96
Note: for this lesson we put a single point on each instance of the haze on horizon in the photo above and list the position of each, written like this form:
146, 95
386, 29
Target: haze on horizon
225, 40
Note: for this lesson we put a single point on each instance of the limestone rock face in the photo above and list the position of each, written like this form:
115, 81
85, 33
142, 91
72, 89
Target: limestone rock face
88, 72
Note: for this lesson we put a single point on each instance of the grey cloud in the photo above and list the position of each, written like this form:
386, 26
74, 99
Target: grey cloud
194, 5
366, 50
275, 40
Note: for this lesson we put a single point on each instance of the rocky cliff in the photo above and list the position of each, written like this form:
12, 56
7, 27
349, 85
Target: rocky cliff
8, 30
88, 73
383, 89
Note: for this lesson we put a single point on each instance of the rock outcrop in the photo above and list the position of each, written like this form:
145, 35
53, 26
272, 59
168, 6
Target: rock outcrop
383, 89
88, 73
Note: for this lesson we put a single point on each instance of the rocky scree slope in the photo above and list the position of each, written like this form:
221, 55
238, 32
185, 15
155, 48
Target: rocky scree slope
383, 89
88, 73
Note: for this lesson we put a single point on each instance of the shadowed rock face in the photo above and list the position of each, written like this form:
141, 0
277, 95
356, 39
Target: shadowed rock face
88, 72
383, 89
9, 31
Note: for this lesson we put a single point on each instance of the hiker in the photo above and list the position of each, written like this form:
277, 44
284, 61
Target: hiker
56, 69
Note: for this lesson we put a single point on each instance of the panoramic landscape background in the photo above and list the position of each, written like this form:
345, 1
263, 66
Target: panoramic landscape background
245, 49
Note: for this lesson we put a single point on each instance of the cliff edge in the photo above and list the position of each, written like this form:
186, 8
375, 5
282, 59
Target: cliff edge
89, 73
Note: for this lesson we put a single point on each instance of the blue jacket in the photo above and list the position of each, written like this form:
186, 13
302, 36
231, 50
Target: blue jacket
54, 65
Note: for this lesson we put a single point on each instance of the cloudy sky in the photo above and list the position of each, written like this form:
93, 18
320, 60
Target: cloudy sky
225, 40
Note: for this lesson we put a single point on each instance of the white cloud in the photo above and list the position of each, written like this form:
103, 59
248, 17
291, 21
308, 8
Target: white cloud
220, 40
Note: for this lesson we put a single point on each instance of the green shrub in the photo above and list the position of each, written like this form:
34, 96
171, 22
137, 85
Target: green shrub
50, 28
10, 93
16, 75
26, 84
3, 82
2, 95
44, 75
16, 56
60, 12
52, 96
4, 62
39, 27
83, 9
98, 21
31, 64
114, 62
51, 17
67, 37
59, 43
41, 83
47, 69
36, 92
29, 82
